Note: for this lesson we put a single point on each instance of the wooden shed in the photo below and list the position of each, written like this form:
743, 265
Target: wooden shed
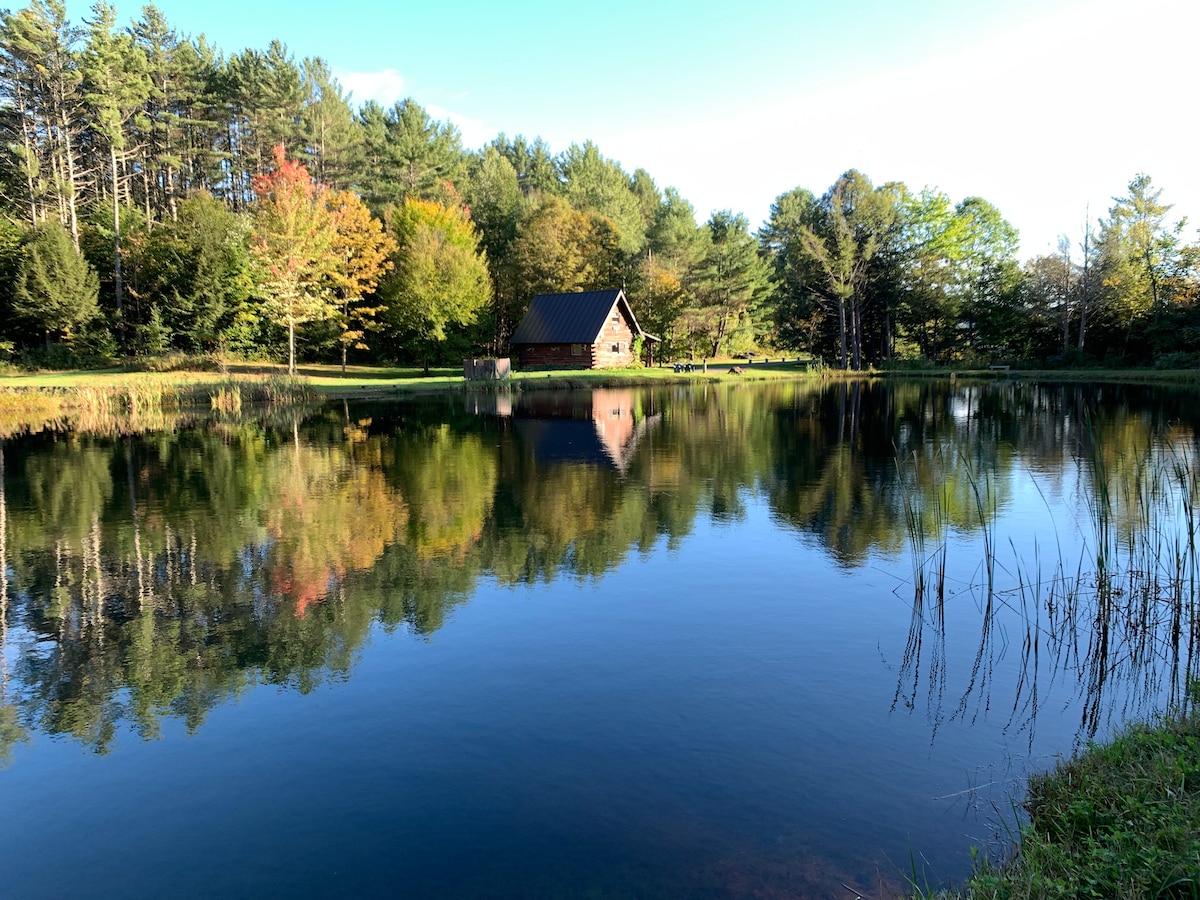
587, 330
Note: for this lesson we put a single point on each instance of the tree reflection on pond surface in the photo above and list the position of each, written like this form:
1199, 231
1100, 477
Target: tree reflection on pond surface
693, 615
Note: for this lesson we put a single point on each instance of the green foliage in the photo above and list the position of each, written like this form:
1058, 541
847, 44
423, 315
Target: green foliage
332, 139
440, 279
55, 289
533, 163
196, 269
146, 144
731, 283
175, 362
153, 338
639, 350
593, 184
407, 154
560, 249
493, 194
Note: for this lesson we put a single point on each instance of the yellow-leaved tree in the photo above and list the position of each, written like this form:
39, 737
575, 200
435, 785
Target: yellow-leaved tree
440, 277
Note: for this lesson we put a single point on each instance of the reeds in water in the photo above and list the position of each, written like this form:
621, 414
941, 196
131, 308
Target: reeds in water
1117, 623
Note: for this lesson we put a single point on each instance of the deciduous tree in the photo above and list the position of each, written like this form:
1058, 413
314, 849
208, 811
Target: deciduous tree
440, 277
292, 247
361, 255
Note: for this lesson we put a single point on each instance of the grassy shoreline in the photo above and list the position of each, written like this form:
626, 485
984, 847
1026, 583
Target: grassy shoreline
71, 390
331, 381
27, 399
1120, 819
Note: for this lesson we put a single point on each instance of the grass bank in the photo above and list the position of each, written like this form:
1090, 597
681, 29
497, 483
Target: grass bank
75, 389
48, 395
135, 400
1119, 820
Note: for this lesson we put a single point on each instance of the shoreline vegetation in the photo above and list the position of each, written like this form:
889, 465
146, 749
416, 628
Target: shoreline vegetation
265, 382
1119, 819
137, 396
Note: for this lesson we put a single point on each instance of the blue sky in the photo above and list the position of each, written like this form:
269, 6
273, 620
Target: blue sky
1046, 108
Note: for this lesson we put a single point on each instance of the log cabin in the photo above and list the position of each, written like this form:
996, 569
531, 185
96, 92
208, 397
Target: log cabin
586, 330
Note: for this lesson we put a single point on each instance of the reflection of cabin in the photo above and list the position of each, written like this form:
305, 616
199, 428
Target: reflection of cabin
588, 330
601, 427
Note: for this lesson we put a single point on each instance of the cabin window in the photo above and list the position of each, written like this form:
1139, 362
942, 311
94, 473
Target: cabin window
617, 348
577, 349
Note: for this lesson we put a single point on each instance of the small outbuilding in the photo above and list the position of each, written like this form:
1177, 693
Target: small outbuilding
586, 330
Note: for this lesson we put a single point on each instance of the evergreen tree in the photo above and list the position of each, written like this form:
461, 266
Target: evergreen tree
332, 138
115, 88
597, 185
40, 86
196, 271
408, 154
493, 194
533, 162
56, 290
732, 282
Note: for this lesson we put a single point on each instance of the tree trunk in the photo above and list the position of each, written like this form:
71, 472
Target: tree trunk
856, 332
291, 345
29, 143
842, 333
70, 163
1085, 284
118, 288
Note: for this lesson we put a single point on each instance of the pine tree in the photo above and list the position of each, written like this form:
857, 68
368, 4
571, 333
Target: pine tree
56, 290
115, 88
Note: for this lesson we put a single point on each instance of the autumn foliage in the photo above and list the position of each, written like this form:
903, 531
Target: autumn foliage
318, 252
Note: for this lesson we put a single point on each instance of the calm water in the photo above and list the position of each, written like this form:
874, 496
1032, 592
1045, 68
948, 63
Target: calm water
602, 644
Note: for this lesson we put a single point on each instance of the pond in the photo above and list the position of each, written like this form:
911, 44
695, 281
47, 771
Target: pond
775, 640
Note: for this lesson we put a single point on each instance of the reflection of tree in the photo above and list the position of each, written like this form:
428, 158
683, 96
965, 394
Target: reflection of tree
159, 576
325, 515
451, 482
1113, 619
11, 731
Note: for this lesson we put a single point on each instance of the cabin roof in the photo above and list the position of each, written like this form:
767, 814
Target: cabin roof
572, 318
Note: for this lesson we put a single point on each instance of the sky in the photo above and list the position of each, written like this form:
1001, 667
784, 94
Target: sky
1045, 108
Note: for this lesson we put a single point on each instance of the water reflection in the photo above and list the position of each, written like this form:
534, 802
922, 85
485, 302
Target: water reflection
159, 575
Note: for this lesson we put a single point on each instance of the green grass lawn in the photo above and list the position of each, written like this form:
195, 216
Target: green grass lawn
372, 380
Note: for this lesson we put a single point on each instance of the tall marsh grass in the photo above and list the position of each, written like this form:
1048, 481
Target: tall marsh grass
1113, 614
142, 403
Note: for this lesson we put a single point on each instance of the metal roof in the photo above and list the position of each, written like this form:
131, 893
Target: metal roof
570, 318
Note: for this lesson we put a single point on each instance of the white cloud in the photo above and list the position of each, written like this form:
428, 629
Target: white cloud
475, 132
385, 87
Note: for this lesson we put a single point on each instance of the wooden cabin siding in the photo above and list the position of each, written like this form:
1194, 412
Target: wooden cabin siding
554, 356
617, 333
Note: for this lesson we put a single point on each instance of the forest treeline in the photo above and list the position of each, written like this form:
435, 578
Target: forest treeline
158, 195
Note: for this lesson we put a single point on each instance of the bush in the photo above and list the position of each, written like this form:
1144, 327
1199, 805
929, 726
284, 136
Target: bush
55, 357
1120, 820
176, 362
1177, 361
